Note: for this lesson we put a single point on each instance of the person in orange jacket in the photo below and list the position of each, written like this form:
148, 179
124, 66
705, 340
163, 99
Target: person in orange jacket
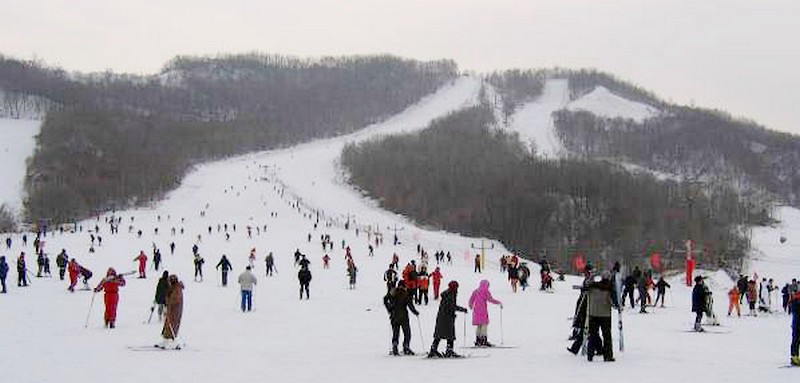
142, 258
437, 281
733, 297
111, 284
423, 283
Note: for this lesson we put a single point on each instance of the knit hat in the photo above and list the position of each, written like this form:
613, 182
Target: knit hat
453, 285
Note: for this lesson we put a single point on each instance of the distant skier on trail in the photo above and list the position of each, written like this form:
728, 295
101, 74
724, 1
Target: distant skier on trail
225, 266
110, 284
398, 302
478, 303
22, 278
661, 290
142, 258
794, 302
160, 300
304, 277
198, 267
436, 276
3, 274
445, 322
61, 261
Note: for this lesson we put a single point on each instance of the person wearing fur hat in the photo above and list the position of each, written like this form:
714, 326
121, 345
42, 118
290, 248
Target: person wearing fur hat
172, 321
110, 284
698, 302
445, 322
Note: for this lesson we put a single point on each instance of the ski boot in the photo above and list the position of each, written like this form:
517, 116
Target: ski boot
407, 351
394, 351
486, 342
451, 354
434, 354
795, 360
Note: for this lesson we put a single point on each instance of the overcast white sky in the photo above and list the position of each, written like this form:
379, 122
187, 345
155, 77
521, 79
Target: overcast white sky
741, 56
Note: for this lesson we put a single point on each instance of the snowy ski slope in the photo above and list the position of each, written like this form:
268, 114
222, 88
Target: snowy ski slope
339, 335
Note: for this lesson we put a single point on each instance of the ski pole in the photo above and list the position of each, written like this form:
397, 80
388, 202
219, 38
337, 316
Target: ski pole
86, 325
465, 331
421, 336
152, 308
502, 341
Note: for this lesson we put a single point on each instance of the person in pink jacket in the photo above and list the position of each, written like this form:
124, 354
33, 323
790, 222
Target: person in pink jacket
480, 312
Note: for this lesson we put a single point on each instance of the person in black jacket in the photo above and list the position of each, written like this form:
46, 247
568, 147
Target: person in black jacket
698, 302
304, 276
61, 261
445, 322
661, 290
226, 266
398, 302
161, 294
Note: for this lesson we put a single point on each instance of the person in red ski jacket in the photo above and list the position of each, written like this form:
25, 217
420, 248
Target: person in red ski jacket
436, 275
142, 258
74, 270
110, 284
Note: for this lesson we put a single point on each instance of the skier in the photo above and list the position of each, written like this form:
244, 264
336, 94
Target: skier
445, 322
752, 296
172, 323
326, 261
398, 303
733, 300
142, 258
74, 270
477, 263
643, 295
601, 299
3, 273
22, 278
269, 261
661, 289
161, 294
156, 258
247, 281
437, 282
423, 282
39, 265
627, 291
110, 284
524, 272
513, 275
226, 266
579, 322
478, 303
698, 302
61, 261
410, 278
198, 267
304, 276
794, 301
741, 283
352, 271
390, 276
395, 262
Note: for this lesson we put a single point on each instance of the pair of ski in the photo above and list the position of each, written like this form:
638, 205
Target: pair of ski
158, 347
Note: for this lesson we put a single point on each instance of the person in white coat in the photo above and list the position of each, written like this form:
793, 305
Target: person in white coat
247, 281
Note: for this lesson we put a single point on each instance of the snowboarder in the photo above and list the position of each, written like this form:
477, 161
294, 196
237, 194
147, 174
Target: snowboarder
61, 261
698, 302
247, 281
304, 276
601, 299
3, 273
198, 267
478, 303
661, 290
142, 258
161, 294
110, 284
445, 322
226, 266
172, 323
398, 303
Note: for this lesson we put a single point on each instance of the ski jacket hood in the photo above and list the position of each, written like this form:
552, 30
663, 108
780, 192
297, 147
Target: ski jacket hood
478, 302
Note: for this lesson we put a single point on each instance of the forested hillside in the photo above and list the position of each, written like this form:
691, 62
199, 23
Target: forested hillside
114, 140
462, 176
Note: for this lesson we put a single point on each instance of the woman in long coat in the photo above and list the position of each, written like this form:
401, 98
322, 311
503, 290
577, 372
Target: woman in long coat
478, 302
445, 322
172, 323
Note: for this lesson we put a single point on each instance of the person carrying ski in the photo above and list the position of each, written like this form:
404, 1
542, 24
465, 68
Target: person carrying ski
226, 266
142, 258
436, 276
61, 261
698, 302
172, 321
601, 299
247, 281
579, 322
661, 290
478, 303
398, 303
162, 288
3, 273
110, 284
445, 322
304, 276
22, 278
198, 267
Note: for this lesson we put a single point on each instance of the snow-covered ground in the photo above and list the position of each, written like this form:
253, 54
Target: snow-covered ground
603, 103
534, 122
339, 334
17, 143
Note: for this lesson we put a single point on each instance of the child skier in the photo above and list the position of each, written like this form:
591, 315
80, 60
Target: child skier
733, 301
661, 289
445, 322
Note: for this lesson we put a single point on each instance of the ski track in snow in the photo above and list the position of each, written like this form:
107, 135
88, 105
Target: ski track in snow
340, 334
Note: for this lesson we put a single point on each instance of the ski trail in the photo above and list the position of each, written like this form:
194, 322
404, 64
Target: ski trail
534, 121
